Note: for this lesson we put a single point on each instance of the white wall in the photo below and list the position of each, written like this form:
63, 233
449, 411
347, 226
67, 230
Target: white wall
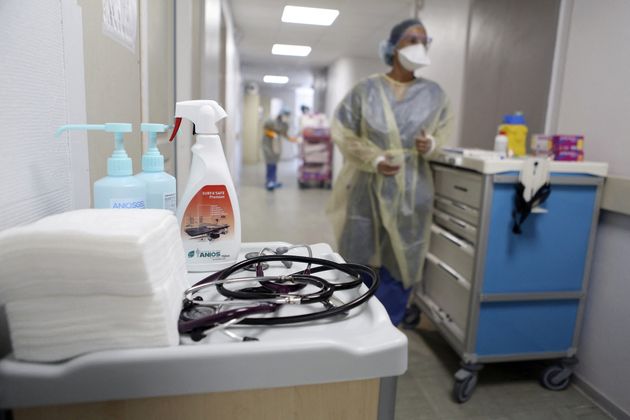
603, 349
207, 67
42, 87
112, 89
157, 26
595, 97
447, 22
344, 73
211, 48
37, 97
233, 93
188, 23
251, 105
595, 101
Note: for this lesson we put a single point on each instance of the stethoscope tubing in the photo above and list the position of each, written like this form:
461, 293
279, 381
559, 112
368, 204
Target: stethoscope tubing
267, 303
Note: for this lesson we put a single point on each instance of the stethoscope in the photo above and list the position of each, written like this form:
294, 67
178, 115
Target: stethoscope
252, 305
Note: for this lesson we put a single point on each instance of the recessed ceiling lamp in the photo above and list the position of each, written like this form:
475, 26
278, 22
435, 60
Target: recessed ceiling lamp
296, 50
280, 80
309, 15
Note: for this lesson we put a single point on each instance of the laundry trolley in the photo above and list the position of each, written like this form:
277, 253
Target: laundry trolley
497, 296
316, 152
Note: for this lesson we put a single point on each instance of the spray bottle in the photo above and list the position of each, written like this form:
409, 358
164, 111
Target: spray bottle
119, 189
161, 187
208, 211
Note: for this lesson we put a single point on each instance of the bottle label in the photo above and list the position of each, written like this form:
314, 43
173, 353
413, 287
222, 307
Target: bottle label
126, 203
209, 216
169, 201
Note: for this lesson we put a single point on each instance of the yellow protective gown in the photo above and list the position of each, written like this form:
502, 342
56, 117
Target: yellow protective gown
385, 220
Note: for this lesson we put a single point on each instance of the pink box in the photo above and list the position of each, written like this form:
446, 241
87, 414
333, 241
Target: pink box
568, 147
570, 155
541, 145
565, 143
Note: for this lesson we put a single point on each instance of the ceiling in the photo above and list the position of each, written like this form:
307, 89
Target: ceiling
357, 32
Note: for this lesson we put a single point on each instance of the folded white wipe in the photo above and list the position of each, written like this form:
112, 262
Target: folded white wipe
91, 280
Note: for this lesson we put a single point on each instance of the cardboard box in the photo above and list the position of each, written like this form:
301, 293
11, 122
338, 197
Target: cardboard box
568, 147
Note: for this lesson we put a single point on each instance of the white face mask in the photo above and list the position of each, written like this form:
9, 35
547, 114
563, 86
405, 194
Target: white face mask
414, 57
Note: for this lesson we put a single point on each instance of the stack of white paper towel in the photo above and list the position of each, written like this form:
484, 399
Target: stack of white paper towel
91, 280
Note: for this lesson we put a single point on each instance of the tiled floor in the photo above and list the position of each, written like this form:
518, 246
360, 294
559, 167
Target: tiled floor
505, 391
287, 214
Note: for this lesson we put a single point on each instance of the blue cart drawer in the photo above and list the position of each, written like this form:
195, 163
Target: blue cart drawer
524, 327
551, 253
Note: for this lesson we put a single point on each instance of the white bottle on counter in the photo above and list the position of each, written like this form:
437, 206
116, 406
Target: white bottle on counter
501, 144
208, 211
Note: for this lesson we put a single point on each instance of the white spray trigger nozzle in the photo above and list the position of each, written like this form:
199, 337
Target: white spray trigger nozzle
203, 113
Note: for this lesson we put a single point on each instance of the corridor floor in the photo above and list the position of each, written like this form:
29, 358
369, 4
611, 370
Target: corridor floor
506, 391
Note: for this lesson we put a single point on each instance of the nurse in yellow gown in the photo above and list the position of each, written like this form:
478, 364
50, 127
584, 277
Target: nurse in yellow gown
386, 128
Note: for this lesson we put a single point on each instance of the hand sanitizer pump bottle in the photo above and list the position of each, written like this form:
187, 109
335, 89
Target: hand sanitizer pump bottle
208, 211
161, 187
119, 189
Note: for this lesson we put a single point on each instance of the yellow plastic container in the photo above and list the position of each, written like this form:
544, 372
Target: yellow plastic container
516, 132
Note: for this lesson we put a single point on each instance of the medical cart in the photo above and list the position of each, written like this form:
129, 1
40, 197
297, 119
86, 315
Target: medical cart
497, 296
316, 152
341, 368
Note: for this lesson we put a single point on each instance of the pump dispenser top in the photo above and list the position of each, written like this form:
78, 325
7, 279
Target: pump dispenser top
152, 160
208, 212
119, 189
119, 164
161, 187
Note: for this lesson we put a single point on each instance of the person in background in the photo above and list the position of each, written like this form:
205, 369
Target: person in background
386, 128
273, 133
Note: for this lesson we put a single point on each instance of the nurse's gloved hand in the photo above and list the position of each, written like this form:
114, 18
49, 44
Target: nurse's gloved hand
424, 143
387, 169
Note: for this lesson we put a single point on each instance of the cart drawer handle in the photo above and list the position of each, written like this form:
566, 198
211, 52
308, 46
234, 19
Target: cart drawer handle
450, 238
460, 206
463, 189
458, 223
449, 270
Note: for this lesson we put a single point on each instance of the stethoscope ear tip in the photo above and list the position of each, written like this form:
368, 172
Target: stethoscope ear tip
282, 250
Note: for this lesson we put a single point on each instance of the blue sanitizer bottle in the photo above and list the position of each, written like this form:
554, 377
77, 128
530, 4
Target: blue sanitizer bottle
161, 187
119, 189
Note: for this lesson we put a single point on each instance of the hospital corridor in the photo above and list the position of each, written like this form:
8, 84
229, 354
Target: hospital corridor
507, 391
314, 210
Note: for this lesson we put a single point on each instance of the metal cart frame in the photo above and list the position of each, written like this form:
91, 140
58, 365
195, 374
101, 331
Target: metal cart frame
555, 377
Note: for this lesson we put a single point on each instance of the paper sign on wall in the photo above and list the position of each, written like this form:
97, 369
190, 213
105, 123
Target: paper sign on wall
120, 21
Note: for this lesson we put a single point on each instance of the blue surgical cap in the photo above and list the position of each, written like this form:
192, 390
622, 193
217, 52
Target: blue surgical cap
387, 47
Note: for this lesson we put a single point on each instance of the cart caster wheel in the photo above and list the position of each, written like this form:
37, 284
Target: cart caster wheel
463, 389
412, 317
556, 378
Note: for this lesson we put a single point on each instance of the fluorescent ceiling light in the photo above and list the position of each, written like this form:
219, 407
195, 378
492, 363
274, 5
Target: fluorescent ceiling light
309, 15
281, 80
297, 50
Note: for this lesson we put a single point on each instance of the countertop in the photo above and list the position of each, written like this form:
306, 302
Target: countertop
362, 345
